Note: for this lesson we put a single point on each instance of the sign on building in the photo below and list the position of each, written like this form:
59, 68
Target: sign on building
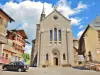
80, 58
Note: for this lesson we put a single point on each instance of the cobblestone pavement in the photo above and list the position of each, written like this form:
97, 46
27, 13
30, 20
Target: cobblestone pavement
51, 71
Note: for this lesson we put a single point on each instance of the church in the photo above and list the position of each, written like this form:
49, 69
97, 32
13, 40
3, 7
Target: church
54, 44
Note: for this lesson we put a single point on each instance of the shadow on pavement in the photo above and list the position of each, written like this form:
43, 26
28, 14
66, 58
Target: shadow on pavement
79, 68
13, 71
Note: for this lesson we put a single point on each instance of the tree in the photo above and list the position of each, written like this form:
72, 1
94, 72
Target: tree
26, 57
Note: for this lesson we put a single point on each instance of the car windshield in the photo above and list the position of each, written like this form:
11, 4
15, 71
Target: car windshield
11, 63
24, 63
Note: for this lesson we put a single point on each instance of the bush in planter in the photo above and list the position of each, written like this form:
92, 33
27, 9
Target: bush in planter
66, 65
44, 66
69, 65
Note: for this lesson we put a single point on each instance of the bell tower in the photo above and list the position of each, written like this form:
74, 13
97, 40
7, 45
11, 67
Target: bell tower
42, 14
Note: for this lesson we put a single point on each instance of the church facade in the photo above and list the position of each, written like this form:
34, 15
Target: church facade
53, 45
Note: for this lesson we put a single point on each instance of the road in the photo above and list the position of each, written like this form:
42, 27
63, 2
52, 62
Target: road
51, 71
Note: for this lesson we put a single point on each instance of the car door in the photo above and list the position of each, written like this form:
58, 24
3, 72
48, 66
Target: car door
11, 66
15, 66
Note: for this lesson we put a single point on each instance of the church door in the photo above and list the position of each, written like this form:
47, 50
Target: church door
56, 61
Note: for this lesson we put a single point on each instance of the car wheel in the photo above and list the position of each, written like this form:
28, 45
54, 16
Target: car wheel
24, 70
19, 70
5, 68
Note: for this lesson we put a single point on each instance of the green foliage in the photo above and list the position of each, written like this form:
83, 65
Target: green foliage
26, 57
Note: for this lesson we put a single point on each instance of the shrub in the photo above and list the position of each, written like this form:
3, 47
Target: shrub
66, 65
44, 66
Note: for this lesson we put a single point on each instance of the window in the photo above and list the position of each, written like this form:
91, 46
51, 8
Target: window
50, 35
55, 53
0, 20
3, 54
6, 56
99, 36
55, 17
60, 35
90, 56
46, 56
64, 58
55, 34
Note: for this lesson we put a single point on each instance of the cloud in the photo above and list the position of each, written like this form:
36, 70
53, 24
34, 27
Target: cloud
81, 5
75, 21
28, 49
81, 26
65, 8
80, 33
27, 14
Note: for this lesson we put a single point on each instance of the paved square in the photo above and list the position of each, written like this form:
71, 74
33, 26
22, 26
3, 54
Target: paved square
51, 71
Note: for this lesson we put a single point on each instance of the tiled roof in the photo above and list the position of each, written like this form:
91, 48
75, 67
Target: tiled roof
95, 23
6, 15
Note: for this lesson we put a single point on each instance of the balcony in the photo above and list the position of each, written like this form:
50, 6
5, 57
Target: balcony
9, 46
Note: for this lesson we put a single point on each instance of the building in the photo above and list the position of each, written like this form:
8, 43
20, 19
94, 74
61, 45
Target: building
4, 19
53, 45
14, 48
75, 48
89, 42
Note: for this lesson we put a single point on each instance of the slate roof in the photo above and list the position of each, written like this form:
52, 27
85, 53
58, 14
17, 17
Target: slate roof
6, 15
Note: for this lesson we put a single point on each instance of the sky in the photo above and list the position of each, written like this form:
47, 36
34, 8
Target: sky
26, 14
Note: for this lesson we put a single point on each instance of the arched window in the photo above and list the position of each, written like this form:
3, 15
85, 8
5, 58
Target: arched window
60, 35
55, 34
0, 20
90, 56
64, 58
46, 56
50, 35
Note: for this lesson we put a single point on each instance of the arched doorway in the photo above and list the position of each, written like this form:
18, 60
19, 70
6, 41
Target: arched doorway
55, 61
56, 57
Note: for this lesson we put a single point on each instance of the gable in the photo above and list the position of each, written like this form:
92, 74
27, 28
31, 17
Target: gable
61, 21
22, 33
84, 32
57, 13
96, 23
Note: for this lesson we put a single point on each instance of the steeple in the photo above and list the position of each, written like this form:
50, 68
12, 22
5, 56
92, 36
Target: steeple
42, 14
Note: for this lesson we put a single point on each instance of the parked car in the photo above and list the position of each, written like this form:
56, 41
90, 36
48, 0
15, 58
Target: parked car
16, 66
93, 66
97, 66
87, 66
